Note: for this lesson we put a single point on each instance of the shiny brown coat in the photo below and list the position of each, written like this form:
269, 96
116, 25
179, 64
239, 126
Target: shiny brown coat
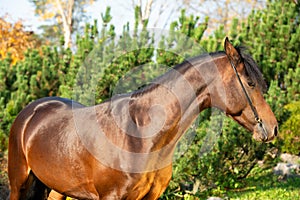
123, 148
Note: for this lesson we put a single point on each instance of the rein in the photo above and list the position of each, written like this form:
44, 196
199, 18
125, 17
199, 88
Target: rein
257, 118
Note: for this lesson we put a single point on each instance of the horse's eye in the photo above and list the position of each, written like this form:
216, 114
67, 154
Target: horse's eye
251, 83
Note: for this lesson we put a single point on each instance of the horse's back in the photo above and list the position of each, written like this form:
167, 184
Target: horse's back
40, 106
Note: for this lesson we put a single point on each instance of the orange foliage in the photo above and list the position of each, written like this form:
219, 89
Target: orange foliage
14, 40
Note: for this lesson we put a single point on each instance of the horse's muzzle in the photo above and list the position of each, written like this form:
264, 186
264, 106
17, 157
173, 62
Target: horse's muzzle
263, 134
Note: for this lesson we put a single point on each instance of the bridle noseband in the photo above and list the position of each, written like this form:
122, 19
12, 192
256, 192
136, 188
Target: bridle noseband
257, 118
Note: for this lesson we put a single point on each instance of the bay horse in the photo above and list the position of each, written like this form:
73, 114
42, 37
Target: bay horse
123, 147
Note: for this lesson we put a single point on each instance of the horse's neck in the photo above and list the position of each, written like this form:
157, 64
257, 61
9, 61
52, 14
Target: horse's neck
144, 127
177, 99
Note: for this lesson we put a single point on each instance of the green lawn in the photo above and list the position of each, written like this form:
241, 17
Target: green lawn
265, 185
261, 184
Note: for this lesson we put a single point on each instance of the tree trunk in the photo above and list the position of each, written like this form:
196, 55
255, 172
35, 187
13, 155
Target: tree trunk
144, 16
67, 21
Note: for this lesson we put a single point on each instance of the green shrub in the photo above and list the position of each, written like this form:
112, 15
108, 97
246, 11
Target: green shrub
290, 130
215, 161
230, 154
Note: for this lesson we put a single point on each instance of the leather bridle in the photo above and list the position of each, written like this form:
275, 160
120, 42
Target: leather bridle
257, 118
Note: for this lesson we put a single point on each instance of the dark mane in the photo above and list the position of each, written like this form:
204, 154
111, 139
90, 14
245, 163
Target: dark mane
252, 69
251, 66
144, 89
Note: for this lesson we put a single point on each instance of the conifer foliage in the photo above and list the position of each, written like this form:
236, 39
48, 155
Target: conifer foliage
99, 66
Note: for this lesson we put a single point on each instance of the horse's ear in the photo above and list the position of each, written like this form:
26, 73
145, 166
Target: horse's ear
231, 52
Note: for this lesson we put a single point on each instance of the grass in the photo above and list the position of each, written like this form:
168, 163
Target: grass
260, 184
264, 185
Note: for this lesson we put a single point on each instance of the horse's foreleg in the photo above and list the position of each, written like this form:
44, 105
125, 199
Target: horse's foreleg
56, 196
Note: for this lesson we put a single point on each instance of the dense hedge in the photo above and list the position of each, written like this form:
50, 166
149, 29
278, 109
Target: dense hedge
273, 38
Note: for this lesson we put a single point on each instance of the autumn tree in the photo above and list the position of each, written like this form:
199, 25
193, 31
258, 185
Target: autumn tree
63, 15
14, 40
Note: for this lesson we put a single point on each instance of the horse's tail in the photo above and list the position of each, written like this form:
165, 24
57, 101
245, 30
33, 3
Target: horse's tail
35, 189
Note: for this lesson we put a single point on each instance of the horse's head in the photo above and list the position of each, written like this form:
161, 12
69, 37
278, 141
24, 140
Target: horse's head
244, 98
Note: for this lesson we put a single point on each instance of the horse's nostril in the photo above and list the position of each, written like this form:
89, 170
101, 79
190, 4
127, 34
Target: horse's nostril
275, 131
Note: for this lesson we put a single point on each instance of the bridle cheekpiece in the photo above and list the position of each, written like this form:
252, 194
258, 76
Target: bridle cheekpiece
257, 118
